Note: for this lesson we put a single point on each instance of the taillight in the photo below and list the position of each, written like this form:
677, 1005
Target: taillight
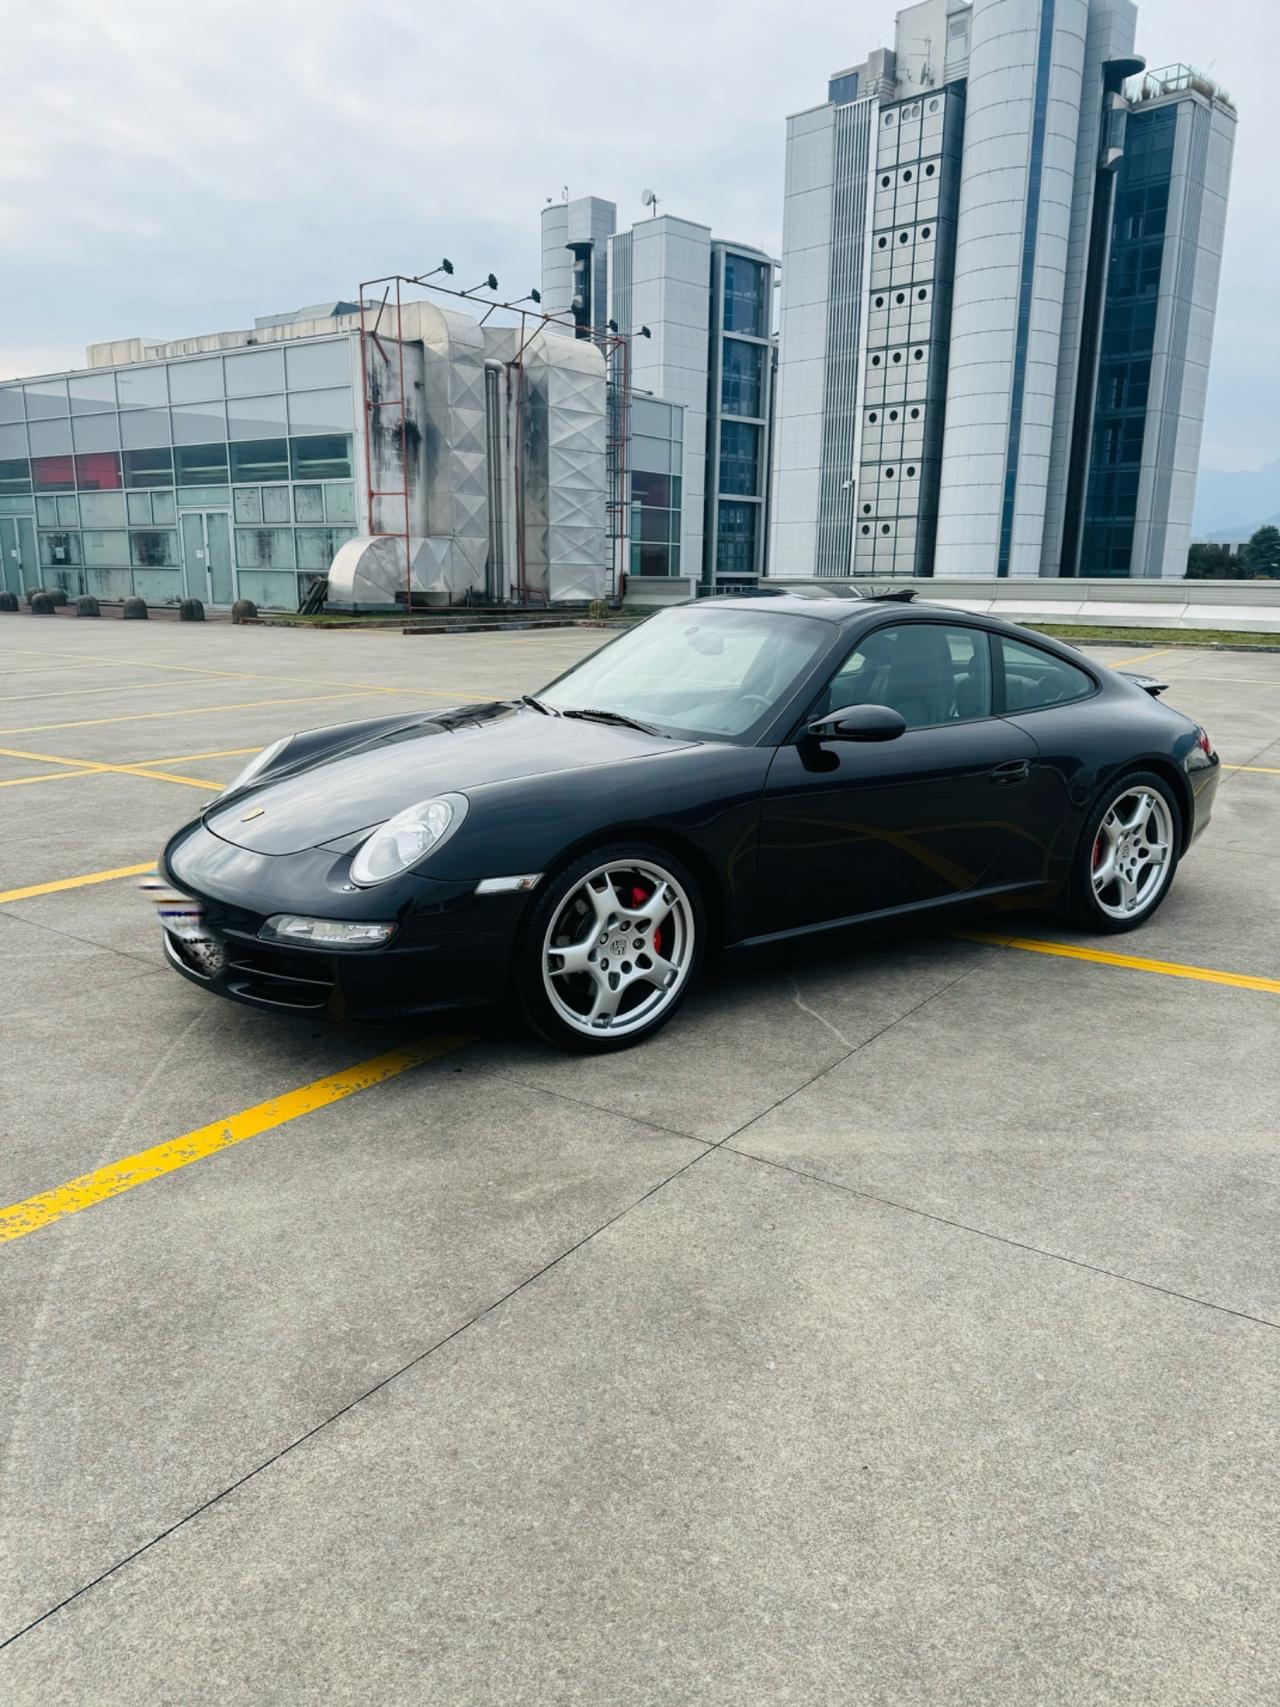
1204, 743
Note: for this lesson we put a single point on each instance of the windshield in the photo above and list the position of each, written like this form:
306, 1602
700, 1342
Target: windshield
696, 670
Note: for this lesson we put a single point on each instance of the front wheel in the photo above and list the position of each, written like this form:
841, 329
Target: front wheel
1127, 854
611, 948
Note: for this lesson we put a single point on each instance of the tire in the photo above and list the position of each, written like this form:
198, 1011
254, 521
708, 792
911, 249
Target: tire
579, 918
1134, 815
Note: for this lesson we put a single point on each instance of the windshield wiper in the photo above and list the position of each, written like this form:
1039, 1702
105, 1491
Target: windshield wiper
537, 704
599, 716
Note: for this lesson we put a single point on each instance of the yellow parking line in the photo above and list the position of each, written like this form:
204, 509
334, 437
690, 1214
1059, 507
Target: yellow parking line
1131, 962
1142, 657
32, 1213
54, 776
83, 693
186, 711
87, 767
222, 753
1263, 770
1245, 681
75, 882
246, 676
243, 705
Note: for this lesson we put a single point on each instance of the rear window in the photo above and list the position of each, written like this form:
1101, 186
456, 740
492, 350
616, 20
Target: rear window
1034, 679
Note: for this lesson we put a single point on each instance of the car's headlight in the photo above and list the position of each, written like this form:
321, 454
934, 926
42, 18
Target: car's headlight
267, 756
408, 837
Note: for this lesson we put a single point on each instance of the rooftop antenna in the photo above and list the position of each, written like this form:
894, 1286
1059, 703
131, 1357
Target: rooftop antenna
649, 199
564, 192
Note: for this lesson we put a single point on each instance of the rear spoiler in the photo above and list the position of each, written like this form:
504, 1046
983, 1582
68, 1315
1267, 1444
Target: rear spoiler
1149, 684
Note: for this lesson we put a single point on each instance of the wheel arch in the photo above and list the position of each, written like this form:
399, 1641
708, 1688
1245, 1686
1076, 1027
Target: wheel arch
710, 883
1164, 767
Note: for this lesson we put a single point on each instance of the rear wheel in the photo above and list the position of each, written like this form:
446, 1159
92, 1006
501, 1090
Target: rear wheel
612, 948
1127, 855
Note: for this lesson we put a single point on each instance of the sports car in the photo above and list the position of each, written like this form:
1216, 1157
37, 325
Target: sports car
726, 775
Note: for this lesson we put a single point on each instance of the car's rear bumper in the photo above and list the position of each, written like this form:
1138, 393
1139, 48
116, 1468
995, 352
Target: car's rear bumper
1204, 779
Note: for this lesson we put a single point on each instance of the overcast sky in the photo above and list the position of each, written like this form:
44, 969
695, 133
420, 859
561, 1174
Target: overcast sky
167, 171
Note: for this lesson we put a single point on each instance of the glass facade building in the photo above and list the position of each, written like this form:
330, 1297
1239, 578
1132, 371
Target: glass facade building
1001, 248
707, 306
740, 385
656, 459
1128, 339
216, 476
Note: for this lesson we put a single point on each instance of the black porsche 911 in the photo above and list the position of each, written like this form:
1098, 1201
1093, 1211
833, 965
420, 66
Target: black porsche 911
725, 775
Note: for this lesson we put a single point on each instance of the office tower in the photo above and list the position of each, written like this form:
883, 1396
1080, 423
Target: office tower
1000, 263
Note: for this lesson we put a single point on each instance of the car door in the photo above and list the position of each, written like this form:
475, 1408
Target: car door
855, 828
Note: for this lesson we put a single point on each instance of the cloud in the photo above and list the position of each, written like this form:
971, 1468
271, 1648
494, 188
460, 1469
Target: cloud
166, 172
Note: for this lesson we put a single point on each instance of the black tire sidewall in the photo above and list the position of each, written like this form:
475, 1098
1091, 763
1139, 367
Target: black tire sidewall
1084, 906
535, 1005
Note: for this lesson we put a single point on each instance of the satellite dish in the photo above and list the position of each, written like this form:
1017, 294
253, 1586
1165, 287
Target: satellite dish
648, 197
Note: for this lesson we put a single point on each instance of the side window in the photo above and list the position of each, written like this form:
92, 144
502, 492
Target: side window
928, 672
1033, 678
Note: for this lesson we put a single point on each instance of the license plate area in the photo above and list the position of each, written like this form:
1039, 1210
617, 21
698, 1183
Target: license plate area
183, 919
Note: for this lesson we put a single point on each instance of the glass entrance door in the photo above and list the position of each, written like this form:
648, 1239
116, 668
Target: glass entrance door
17, 553
206, 556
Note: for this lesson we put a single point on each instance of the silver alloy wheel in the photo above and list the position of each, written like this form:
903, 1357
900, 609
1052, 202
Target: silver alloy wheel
618, 948
1132, 853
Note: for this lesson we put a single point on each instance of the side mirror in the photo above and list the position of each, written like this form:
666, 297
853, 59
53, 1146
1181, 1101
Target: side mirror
859, 723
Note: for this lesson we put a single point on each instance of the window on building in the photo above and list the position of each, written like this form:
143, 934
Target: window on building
61, 550
142, 387
98, 472
325, 457
257, 417
148, 467
105, 550
340, 501
53, 473
317, 547
249, 373
15, 475
200, 465
308, 503
195, 382
92, 393
264, 548
102, 509
741, 377
736, 538
46, 398
320, 411
154, 548
746, 296
260, 459
739, 458
142, 428
308, 365
275, 504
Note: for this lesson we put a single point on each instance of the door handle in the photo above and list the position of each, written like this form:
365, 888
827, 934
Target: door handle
1017, 770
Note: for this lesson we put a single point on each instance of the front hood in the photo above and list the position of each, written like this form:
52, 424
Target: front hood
349, 788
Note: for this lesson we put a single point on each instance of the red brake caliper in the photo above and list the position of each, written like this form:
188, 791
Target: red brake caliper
638, 899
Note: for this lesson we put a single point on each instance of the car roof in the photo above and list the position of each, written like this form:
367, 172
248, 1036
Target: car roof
841, 611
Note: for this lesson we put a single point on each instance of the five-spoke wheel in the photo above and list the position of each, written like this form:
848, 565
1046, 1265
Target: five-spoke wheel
1128, 854
618, 938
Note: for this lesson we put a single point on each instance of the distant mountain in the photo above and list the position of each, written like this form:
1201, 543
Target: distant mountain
1232, 506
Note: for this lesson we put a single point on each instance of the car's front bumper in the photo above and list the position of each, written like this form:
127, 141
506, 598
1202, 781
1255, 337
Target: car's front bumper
452, 947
